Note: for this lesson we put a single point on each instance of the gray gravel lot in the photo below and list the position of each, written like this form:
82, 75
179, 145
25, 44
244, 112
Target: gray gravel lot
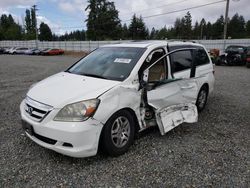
211, 153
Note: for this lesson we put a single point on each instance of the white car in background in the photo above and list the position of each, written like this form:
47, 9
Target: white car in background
11, 50
116, 91
20, 50
32, 51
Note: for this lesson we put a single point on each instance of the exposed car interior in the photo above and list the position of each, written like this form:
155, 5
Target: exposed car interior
158, 71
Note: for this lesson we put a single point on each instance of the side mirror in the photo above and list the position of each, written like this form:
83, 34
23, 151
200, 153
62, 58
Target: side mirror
144, 79
145, 75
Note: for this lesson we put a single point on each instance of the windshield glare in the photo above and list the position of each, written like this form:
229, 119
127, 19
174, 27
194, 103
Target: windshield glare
114, 63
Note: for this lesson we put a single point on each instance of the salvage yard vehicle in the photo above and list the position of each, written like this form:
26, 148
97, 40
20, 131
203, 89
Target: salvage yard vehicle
1, 50
11, 50
105, 98
53, 52
32, 51
44, 51
20, 50
234, 55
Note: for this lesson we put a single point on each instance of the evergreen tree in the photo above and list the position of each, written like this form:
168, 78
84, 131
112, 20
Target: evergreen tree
45, 32
103, 21
203, 26
152, 35
163, 33
9, 29
196, 30
236, 27
209, 30
187, 32
125, 32
217, 28
248, 28
30, 24
137, 28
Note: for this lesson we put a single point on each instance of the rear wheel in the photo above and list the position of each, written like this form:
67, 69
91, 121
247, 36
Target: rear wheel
118, 133
202, 98
218, 62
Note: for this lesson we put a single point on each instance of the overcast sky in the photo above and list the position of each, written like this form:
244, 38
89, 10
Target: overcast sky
68, 15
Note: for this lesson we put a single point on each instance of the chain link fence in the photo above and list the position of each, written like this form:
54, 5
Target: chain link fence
91, 45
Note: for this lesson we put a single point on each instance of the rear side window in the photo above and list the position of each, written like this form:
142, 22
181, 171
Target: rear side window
201, 57
181, 61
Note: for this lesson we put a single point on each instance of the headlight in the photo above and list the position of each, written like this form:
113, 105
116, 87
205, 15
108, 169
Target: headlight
79, 111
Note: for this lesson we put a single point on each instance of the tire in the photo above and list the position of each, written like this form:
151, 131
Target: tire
202, 98
218, 62
114, 144
248, 64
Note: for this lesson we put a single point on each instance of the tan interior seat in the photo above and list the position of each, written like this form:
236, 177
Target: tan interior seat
157, 72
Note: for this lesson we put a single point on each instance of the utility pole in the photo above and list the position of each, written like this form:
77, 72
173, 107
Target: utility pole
35, 9
225, 24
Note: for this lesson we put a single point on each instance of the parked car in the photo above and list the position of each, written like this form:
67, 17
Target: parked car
44, 51
20, 50
116, 91
32, 51
248, 57
5, 49
1, 50
10, 50
234, 55
54, 51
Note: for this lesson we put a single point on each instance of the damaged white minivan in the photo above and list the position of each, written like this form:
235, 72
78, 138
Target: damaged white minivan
104, 99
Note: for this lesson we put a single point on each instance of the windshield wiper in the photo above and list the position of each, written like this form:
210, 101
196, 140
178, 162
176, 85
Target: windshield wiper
93, 75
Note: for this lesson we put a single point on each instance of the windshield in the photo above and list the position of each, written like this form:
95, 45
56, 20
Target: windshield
114, 63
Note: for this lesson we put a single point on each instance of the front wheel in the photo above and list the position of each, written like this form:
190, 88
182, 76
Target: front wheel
202, 99
118, 133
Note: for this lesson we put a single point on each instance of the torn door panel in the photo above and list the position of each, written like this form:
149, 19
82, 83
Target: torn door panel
172, 116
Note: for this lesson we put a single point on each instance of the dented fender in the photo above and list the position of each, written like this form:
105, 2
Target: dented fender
117, 98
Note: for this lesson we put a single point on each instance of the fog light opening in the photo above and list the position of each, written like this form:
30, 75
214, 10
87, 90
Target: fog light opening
65, 144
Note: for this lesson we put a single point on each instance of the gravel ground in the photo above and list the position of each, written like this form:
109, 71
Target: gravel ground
211, 153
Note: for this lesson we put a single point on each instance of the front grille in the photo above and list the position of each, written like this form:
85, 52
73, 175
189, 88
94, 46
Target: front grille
35, 110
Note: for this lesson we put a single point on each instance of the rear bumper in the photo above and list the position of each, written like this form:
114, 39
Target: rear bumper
75, 139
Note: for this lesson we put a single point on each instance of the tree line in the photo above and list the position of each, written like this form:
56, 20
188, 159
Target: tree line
10, 30
103, 23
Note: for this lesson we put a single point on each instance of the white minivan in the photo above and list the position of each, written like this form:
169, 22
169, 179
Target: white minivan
105, 98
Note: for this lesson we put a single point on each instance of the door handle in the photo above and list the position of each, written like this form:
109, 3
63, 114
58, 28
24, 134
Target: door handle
187, 87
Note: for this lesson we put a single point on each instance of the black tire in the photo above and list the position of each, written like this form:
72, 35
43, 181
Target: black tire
218, 62
107, 142
248, 64
202, 98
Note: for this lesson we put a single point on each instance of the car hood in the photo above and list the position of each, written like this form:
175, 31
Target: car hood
65, 88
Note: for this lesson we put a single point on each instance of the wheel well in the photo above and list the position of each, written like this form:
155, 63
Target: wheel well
132, 112
205, 86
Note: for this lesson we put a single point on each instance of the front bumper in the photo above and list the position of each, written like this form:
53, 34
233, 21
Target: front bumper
75, 139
